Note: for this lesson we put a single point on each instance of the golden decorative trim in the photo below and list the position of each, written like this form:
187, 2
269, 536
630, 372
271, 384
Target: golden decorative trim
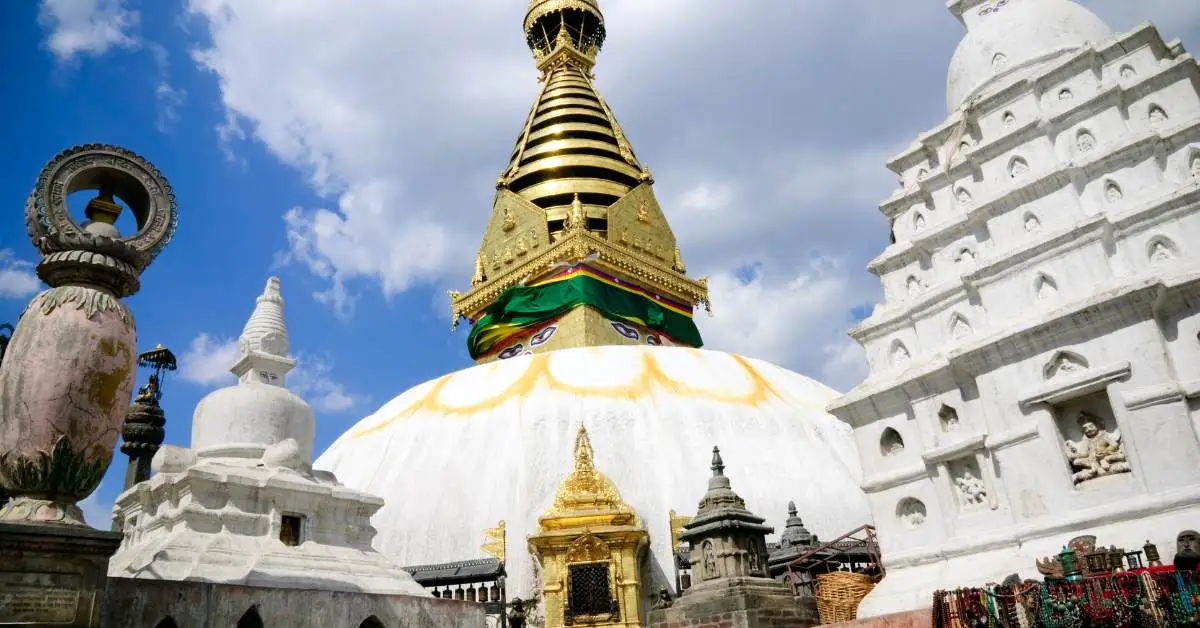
494, 545
677, 523
539, 8
574, 247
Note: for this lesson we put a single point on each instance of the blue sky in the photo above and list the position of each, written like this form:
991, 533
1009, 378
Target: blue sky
351, 149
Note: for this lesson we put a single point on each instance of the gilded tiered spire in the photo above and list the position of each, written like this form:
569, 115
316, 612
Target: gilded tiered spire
574, 191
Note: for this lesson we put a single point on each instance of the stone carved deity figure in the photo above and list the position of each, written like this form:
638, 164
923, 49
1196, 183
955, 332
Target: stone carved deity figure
1159, 252
1195, 168
710, 560
663, 600
1157, 115
1097, 453
1086, 142
1187, 550
1032, 223
912, 513
971, 490
149, 394
516, 615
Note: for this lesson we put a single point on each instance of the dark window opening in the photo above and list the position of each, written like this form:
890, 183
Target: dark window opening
250, 619
589, 590
290, 530
167, 622
371, 622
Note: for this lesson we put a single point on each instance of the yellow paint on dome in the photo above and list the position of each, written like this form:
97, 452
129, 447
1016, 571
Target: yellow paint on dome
647, 376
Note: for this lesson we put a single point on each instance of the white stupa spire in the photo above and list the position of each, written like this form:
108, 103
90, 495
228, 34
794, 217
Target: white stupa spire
264, 341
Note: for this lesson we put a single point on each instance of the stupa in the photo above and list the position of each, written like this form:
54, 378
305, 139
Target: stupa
1033, 367
581, 313
243, 504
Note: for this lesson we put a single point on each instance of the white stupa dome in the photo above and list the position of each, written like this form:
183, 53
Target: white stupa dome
1007, 36
454, 456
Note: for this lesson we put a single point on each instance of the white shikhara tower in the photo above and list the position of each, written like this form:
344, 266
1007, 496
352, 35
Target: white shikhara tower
1035, 366
243, 504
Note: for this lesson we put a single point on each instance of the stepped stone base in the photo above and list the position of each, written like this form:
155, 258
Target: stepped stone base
737, 603
143, 602
53, 575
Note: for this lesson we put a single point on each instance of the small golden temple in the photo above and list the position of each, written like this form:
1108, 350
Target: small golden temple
591, 548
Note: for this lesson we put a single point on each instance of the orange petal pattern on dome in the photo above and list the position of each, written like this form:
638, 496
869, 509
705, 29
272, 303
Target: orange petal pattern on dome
648, 377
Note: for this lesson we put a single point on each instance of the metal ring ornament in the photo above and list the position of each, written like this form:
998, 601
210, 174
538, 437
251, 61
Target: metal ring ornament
129, 177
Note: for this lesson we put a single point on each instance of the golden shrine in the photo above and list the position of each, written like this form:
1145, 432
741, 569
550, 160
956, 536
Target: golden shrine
591, 547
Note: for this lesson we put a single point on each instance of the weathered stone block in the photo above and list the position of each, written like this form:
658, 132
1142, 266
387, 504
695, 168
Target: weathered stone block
53, 575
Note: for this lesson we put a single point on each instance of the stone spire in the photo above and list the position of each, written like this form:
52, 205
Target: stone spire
575, 193
264, 341
794, 532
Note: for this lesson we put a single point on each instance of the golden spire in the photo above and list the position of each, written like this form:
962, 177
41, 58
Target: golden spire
585, 490
575, 190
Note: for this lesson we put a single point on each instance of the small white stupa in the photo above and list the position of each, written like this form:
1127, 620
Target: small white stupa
243, 504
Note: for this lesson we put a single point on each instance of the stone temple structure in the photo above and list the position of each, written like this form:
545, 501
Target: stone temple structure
1034, 366
578, 292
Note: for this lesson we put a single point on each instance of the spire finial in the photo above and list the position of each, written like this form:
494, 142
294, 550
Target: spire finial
791, 509
583, 450
718, 465
265, 336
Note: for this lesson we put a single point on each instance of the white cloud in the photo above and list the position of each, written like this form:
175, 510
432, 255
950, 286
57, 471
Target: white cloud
777, 317
207, 360
167, 97
86, 26
311, 380
17, 278
766, 149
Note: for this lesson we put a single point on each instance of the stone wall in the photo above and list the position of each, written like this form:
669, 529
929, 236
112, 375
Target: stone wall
146, 603
741, 611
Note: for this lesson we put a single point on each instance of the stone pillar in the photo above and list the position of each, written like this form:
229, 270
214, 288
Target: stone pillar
66, 379
141, 436
729, 566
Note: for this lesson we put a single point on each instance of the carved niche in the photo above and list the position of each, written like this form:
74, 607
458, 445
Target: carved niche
1097, 451
969, 487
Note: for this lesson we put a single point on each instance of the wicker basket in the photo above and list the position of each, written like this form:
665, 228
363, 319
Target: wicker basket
839, 593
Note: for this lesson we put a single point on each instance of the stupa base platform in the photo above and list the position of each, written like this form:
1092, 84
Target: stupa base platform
141, 602
748, 603
53, 575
